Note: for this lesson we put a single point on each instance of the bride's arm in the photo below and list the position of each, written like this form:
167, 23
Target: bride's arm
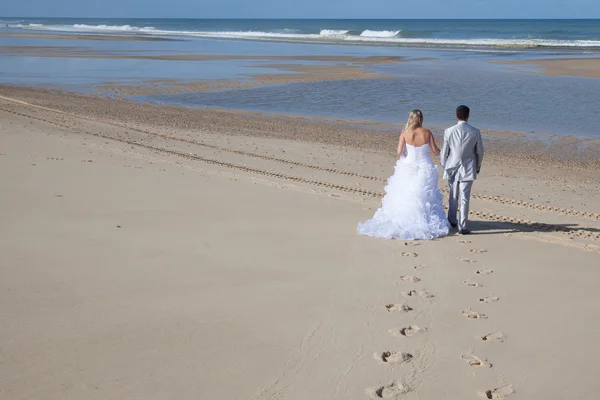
401, 143
434, 149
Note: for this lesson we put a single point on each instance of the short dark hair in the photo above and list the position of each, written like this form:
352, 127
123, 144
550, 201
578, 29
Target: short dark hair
462, 113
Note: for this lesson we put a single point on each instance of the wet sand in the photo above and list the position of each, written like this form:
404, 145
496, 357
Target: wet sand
302, 74
537, 152
76, 52
583, 67
153, 252
333, 68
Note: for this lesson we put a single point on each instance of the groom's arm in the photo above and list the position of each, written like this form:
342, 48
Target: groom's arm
479, 151
445, 149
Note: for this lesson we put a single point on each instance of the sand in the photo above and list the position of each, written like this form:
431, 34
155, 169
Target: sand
301, 74
290, 70
130, 54
585, 67
578, 159
205, 263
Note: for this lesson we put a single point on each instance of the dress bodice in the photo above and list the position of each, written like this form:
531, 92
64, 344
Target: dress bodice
417, 154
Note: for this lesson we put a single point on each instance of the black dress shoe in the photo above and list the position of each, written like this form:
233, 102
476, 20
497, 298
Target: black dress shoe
465, 232
454, 225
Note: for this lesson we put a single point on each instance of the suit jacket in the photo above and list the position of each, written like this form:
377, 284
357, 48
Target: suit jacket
462, 152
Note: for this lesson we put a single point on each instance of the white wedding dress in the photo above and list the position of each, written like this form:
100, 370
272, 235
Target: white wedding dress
412, 207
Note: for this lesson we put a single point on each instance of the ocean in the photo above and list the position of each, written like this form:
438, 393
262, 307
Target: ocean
500, 34
451, 62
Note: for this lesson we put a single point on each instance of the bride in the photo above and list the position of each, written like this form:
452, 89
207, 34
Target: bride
412, 206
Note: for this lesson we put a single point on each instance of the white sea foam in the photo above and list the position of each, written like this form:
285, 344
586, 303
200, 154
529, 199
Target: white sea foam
333, 32
242, 35
325, 36
28, 26
86, 28
110, 28
379, 34
504, 43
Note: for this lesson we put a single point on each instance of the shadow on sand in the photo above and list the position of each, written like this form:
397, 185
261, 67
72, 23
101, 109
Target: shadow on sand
481, 227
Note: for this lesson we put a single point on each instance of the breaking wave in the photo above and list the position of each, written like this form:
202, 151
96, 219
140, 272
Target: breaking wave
374, 37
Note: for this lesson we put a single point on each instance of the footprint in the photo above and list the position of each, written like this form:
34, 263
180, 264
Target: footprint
471, 283
498, 393
404, 254
408, 278
395, 389
414, 244
398, 308
475, 361
478, 251
408, 331
473, 315
393, 357
464, 241
420, 266
493, 337
465, 260
489, 299
418, 293
484, 271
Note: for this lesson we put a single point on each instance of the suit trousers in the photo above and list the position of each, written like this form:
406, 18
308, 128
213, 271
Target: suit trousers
459, 191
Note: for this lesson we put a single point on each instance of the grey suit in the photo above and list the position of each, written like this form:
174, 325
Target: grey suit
461, 158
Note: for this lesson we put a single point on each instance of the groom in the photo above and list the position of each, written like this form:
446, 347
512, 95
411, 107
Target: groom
461, 158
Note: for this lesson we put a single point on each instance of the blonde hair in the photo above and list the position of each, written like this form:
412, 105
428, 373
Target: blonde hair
415, 121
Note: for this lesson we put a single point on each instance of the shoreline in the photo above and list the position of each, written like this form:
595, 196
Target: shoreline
422, 43
582, 157
312, 80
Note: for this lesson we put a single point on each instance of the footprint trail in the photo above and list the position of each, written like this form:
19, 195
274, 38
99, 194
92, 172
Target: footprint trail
407, 331
393, 357
489, 299
473, 315
475, 361
498, 393
493, 337
398, 308
392, 390
471, 283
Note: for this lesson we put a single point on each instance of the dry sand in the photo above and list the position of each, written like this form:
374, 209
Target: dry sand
176, 262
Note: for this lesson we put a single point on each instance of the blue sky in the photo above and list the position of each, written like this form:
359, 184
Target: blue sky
304, 8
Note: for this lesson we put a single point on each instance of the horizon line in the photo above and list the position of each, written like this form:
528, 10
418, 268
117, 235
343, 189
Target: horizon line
312, 18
